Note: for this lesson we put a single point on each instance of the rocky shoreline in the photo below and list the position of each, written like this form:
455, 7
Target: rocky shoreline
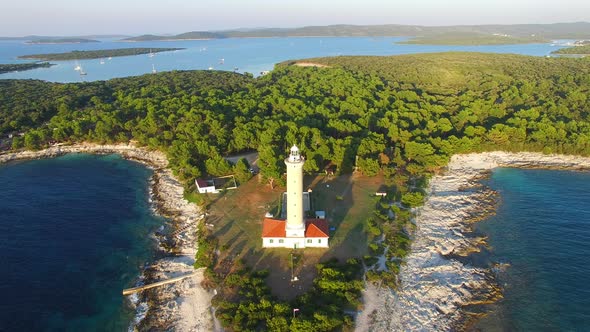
181, 306
437, 287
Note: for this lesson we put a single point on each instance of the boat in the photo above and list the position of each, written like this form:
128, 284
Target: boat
210, 68
77, 67
81, 71
102, 61
221, 61
154, 69
151, 55
110, 58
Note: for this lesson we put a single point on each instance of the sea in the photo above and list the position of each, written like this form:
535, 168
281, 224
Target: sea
74, 232
253, 55
539, 244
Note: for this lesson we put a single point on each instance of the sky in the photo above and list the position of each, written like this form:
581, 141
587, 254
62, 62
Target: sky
135, 17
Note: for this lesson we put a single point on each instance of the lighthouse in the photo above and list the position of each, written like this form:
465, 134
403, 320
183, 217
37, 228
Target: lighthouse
292, 229
295, 225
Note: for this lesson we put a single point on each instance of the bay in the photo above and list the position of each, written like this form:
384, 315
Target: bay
253, 55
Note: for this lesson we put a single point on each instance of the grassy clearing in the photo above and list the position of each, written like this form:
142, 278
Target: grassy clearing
237, 216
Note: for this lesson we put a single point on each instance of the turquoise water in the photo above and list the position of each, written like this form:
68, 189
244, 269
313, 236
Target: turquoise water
74, 231
542, 230
252, 55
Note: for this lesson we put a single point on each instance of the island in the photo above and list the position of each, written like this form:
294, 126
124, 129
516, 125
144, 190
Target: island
62, 41
376, 134
97, 54
7, 68
471, 38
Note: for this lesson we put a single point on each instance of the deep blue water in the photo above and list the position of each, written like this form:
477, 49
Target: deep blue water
542, 230
74, 231
247, 54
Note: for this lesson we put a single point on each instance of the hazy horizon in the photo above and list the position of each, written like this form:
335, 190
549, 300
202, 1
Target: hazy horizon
261, 27
135, 17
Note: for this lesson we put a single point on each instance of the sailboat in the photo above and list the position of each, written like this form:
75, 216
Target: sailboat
221, 61
77, 67
151, 55
81, 70
102, 61
154, 69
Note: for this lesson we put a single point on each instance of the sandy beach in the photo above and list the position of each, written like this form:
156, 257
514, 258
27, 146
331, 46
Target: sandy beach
435, 285
181, 306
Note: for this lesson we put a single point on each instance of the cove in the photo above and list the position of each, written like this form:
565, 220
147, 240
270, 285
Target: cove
74, 231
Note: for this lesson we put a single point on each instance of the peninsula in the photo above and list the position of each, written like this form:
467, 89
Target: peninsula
471, 38
10, 67
80, 55
373, 131
575, 50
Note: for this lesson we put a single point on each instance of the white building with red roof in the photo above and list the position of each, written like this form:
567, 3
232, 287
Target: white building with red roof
295, 231
206, 186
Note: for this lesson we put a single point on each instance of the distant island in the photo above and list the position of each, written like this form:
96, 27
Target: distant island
62, 41
575, 50
7, 68
471, 38
79, 55
475, 34
37, 37
194, 35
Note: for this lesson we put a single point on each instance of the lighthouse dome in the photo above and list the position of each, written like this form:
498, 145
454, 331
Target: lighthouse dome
294, 156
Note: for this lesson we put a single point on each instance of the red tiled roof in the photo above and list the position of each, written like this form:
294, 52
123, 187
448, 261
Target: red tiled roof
273, 228
316, 228
202, 183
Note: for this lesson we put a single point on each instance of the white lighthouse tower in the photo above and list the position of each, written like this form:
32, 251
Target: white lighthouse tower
295, 231
295, 222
